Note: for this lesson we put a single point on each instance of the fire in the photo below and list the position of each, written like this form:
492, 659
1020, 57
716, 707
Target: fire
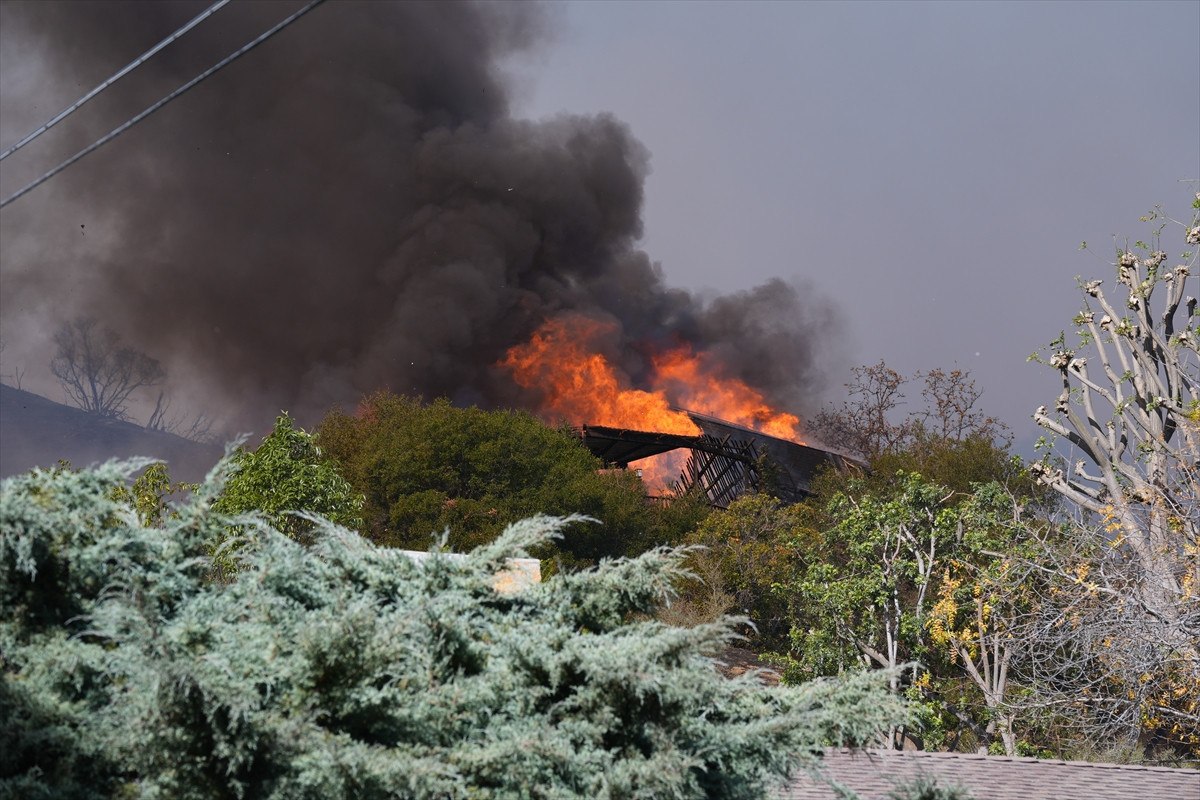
581, 386
692, 385
661, 471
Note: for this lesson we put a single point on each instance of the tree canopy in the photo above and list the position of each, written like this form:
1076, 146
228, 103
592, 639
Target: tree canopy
908, 560
429, 467
285, 474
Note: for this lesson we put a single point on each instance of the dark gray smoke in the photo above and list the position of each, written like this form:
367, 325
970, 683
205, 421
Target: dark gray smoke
350, 207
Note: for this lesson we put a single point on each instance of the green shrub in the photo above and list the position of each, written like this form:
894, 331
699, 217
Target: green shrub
287, 473
425, 468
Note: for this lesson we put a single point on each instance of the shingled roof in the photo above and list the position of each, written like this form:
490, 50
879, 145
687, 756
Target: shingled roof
875, 774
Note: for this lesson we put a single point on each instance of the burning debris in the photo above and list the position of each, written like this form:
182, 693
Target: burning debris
724, 461
723, 452
562, 363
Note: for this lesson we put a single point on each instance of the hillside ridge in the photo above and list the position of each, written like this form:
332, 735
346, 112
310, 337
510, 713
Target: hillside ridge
36, 431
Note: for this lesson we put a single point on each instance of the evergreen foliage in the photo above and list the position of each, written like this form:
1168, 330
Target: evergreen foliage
924, 787
343, 669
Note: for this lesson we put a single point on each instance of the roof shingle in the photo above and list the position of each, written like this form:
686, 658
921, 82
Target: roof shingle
874, 774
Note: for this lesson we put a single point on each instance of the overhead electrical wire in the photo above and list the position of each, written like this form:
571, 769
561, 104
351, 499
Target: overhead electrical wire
181, 90
128, 68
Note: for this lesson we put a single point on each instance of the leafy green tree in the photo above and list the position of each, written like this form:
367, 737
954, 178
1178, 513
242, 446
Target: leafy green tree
865, 584
916, 572
957, 464
426, 468
985, 595
150, 493
341, 669
744, 552
285, 474
923, 529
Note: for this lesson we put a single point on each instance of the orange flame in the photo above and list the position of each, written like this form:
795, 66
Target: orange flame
691, 384
658, 472
581, 386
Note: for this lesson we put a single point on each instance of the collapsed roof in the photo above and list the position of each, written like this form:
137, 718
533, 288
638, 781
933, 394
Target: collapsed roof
725, 460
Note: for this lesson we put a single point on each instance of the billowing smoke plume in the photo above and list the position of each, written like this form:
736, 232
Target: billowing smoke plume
350, 207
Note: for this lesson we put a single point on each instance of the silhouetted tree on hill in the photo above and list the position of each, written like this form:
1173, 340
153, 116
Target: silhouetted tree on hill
98, 373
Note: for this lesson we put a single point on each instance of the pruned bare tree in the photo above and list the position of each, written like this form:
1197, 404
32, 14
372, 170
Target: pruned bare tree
1126, 425
98, 373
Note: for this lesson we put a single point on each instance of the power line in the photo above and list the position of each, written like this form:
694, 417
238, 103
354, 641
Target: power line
130, 67
181, 90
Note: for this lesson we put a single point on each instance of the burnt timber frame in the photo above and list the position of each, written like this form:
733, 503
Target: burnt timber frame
723, 468
725, 460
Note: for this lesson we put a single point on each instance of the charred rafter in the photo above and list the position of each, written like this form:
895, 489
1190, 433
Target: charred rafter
619, 446
725, 460
724, 469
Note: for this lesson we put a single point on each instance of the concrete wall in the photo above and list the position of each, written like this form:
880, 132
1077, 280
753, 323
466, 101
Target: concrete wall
518, 573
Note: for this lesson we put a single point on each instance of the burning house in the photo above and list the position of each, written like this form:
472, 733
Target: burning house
724, 461
740, 444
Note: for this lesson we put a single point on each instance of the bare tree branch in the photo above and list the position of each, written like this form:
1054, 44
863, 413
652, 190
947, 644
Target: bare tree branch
97, 372
198, 428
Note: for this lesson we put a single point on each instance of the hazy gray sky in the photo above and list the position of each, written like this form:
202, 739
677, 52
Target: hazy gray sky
932, 167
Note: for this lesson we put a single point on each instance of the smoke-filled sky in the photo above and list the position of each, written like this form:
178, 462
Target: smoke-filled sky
391, 195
